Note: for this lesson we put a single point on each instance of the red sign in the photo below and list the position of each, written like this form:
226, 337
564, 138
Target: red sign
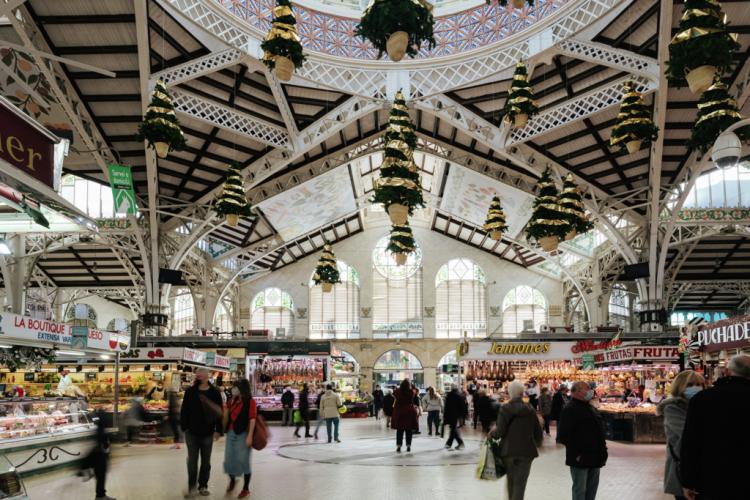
25, 147
635, 353
590, 345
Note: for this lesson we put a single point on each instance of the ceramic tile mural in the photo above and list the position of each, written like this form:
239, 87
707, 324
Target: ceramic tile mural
308, 206
455, 33
468, 194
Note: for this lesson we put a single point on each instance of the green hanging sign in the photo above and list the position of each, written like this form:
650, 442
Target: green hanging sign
588, 362
121, 180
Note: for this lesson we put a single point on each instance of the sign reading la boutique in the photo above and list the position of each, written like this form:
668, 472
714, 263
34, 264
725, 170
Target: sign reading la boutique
15, 326
731, 333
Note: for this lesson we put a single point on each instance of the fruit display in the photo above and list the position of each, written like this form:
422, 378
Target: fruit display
645, 408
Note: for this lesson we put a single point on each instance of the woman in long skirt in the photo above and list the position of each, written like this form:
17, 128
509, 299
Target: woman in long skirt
241, 414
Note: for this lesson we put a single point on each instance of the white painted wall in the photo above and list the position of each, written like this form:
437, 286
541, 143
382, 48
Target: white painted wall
105, 310
437, 249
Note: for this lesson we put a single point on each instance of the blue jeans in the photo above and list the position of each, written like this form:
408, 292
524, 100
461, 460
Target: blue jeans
585, 483
433, 416
335, 423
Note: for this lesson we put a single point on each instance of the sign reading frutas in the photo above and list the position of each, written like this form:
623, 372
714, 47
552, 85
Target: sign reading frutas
121, 180
26, 148
729, 333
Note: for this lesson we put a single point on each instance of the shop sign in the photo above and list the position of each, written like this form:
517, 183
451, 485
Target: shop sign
121, 180
194, 356
501, 350
26, 146
731, 333
588, 361
27, 328
591, 345
213, 359
633, 353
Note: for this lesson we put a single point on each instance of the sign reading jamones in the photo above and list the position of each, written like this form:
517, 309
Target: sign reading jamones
731, 333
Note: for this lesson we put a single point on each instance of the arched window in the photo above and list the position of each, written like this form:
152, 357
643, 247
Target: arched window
335, 315
396, 294
460, 300
118, 325
397, 360
619, 306
78, 314
524, 309
183, 319
273, 310
223, 319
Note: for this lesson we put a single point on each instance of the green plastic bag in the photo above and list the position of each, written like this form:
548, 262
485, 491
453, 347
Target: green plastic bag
297, 417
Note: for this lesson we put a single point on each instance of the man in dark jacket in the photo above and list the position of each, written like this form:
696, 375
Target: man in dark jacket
483, 407
303, 405
559, 400
377, 401
709, 470
287, 406
201, 420
388, 402
581, 430
455, 409
520, 434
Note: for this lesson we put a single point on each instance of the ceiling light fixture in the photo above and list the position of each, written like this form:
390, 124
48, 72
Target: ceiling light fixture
5, 346
4, 247
71, 353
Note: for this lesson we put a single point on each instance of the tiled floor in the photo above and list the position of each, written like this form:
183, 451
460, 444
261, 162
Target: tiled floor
363, 467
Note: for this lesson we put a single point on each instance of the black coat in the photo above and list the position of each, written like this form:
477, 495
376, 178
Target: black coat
377, 398
581, 430
303, 402
558, 402
455, 407
484, 408
287, 399
713, 433
197, 417
388, 402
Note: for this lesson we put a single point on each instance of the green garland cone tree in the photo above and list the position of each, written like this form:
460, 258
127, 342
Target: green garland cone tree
232, 203
634, 125
397, 27
520, 105
717, 111
327, 272
517, 4
702, 47
160, 127
548, 224
495, 223
401, 243
399, 187
571, 202
282, 49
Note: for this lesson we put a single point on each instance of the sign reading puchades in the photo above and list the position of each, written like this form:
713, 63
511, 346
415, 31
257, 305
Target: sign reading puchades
730, 333
41, 331
26, 145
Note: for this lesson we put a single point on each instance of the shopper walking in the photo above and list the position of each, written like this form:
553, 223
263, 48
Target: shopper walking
377, 401
329, 410
287, 407
433, 405
404, 419
674, 410
242, 412
173, 416
582, 432
135, 417
520, 435
455, 410
388, 402
96, 462
303, 405
483, 407
532, 391
559, 400
201, 421
709, 470
545, 407
320, 420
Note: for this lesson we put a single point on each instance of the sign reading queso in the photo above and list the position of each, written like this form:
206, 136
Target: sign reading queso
25, 146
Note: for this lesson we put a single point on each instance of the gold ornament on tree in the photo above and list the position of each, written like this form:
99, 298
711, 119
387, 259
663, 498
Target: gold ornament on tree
495, 224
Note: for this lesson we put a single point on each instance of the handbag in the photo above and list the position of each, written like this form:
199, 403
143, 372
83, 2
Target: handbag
297, 417
260, 434
486, 469
342, 410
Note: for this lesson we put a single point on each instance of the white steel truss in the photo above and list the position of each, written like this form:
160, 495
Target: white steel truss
599, 53
201, 66
230, 119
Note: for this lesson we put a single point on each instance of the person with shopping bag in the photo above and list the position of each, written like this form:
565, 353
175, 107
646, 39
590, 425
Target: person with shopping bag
520, 434
239, 424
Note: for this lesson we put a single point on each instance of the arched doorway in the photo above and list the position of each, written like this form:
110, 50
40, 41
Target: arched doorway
394, 366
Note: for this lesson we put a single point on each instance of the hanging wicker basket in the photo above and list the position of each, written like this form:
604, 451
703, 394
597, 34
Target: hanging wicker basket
162, 149
400, 258
327, 287
396, 45
633, 146
496, 235
518, 4
232, 219
284, 68
700, 78
571, 234
398, 213
549, 243
520, 120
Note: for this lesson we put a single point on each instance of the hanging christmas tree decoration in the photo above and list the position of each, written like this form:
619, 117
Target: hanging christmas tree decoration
548, 224
517, 4
571, 203
160, 127
634, 126
401, 243
495, 223
282, 49
398, 189
232, 203
717, 111
702, 47
327, 272
397, 27
520, 105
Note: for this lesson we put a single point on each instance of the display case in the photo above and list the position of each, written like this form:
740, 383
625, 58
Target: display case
41, 433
